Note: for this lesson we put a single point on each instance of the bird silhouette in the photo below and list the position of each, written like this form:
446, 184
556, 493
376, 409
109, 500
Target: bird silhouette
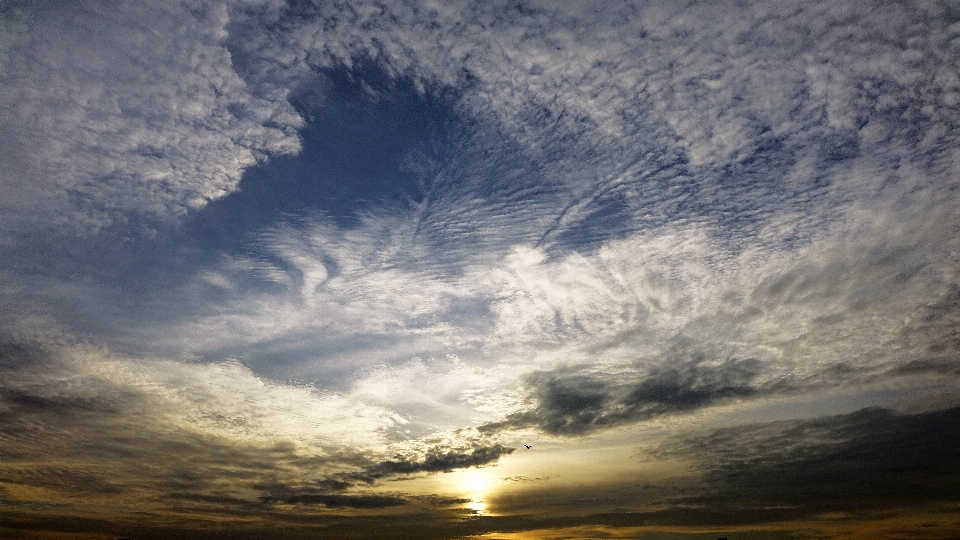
528, 446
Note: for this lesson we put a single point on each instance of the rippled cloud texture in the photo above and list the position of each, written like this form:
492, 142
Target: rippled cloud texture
458, 269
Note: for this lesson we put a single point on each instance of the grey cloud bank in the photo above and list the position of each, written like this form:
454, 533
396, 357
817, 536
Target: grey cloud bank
578, 404
863, 460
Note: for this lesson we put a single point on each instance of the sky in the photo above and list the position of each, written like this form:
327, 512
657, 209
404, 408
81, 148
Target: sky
493, 270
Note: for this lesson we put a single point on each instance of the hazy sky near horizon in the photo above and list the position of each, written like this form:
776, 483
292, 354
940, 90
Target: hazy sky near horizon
324, 269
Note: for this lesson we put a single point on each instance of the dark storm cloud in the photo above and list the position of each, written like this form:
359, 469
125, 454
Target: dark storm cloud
437, 459
330, 492
871, 464
869, 458
572, 404
440, 500
329, 484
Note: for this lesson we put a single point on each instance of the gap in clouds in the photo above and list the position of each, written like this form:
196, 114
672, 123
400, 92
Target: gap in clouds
362, 126
389, 179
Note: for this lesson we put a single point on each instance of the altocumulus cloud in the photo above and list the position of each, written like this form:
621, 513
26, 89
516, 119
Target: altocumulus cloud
759, 85
107, 118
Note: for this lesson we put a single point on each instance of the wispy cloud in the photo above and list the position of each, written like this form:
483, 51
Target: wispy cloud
686, 306
223, 400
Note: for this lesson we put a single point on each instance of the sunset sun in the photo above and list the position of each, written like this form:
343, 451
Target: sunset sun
476, 485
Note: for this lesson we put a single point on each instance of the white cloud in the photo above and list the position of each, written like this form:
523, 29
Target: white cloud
368, 297
441, 393
222, 400
600, 100
721, 75
127, 108
89, 123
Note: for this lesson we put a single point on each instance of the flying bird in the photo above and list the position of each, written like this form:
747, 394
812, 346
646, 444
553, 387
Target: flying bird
528, 446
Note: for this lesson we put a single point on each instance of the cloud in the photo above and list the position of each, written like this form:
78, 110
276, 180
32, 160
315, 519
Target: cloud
289, 444
573, 404
128, 111
845, 310
346, 501
544, 224
693, 322
929, 340
439, 459
608, 214
223, 401
754, 76
867, 459
751, 106
438, 393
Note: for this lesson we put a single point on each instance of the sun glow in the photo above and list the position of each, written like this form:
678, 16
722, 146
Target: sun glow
476, 485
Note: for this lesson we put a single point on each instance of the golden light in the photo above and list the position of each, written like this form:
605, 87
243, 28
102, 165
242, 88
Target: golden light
476, 485
477, 506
